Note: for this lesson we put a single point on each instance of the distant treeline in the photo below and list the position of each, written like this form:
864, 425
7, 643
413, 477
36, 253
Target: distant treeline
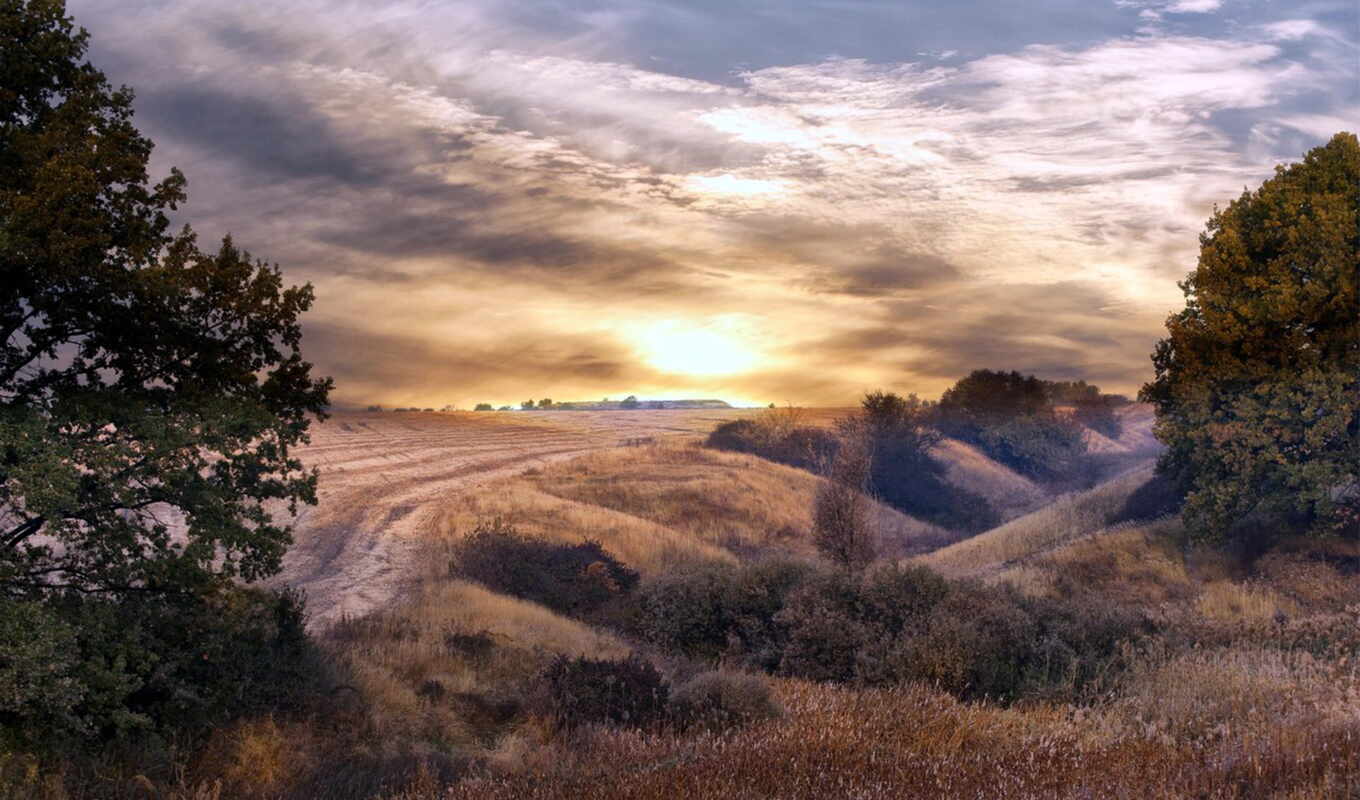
1031, 425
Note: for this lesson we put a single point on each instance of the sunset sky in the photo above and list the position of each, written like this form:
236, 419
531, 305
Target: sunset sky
771, 201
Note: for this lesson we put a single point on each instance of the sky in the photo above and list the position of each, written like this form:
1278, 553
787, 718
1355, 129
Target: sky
788, 201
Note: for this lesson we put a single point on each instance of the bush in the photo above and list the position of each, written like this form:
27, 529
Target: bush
721, 699
975, 643
87, 670
571, 579
902, 472
737, 436
39, 688
888, 625
825, 629
1043, 447
897, 598
627, 691
718, 610
690, 611
776, 439
759, 593
842, 518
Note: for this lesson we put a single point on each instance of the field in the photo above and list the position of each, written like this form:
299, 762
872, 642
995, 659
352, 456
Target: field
386, 478
391, 479
1250, 690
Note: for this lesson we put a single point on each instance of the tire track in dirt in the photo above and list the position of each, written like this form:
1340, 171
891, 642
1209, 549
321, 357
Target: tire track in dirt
384, 478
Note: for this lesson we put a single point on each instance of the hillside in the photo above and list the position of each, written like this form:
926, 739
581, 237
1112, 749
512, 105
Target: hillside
441, 687
388, 479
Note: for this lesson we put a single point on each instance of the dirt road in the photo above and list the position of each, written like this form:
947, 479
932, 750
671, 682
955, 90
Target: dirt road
384, 475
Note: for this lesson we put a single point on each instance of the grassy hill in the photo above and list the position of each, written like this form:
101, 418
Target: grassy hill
1247, 686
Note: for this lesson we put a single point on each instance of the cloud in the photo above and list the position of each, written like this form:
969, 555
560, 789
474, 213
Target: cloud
1193, 6
491, 196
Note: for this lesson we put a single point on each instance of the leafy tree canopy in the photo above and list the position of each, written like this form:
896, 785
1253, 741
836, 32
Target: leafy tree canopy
1257, 385
151, 393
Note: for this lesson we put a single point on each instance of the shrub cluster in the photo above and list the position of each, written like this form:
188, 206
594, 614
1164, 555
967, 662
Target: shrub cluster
628, 691
776, 438
1011, 417
889, 625
719, 699
84, 670
707, 611
572, 579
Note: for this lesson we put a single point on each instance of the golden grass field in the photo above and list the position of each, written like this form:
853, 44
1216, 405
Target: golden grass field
424, 715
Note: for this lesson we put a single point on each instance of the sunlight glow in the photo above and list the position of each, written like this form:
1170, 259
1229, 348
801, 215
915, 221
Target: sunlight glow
682, 349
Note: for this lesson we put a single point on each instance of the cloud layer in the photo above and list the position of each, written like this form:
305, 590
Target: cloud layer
502, 199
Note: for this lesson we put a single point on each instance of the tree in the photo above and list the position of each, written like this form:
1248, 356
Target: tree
151, 394
629, 402
1257, 387
545, 403
985, 396
1011, 417
902, 472
482, 407
842, 515
527, 405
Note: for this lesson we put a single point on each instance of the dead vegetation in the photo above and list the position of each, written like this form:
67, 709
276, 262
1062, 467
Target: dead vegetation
1249, 689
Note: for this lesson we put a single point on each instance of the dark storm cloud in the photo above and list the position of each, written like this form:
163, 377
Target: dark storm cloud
279, 136
402, 235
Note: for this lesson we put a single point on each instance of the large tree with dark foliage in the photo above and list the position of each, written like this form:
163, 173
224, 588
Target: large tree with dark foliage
1257, 385
145, 385
151, 397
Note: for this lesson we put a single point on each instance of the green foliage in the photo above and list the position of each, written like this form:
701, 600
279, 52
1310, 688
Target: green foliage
888, 625
573, 579
138, 373
1257, 386
984, 395
1044, 447
825, 628
39, 688
151, 394
482, 407
714, 610
629, 402
90, 669
691, 611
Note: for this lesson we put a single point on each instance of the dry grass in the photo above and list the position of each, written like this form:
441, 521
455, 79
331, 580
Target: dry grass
1064, 520
1138, 565
1232, 601
657, 505
916, 742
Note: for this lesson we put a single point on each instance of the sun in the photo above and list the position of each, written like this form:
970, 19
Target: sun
680, 349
